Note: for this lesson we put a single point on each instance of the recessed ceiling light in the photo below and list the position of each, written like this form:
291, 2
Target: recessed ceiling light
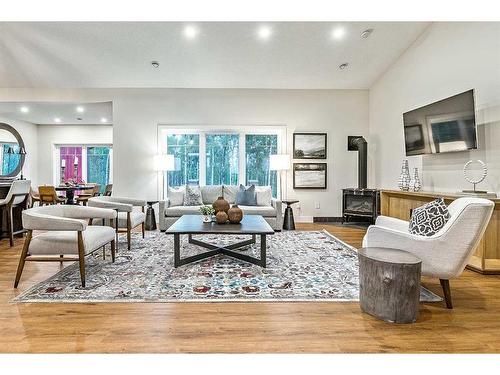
24, 109
79, 118
57, 119
104, 119
338, 33
80, 109
366, 33
343, 66
190, 32
155, 64
264, 32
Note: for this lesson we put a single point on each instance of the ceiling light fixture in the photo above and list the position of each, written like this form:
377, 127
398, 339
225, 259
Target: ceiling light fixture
155, 64
338, 33
24, 109
80, 109
264, 32
104, 119
57, 119
366, 33
190, 32
343, 66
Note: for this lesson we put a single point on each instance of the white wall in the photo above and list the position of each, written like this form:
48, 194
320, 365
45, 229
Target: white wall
51, 135
137, 113
28, 132
447, 59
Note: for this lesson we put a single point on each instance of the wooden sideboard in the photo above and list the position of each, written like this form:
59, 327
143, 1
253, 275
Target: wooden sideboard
486, 257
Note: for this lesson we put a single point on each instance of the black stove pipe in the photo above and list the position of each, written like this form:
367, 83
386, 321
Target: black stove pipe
357, 143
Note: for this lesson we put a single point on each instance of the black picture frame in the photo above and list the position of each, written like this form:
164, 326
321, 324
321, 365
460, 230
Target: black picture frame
322, 153
320, 167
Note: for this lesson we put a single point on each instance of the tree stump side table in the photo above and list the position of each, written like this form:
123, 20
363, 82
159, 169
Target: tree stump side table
389, 284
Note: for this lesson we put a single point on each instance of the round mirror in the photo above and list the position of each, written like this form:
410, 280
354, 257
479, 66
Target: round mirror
12, 152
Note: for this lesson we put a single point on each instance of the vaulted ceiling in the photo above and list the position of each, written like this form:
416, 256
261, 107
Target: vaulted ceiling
211, 55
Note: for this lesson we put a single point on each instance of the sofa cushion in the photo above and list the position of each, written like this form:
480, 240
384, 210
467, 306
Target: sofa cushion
176, 195
264, 195
66, 242
210, 193
229, 193
246, 197
178, 211
428, 219
192, 196
266, 211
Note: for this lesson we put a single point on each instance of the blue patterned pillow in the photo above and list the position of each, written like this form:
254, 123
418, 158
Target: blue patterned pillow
246, 197
428, 219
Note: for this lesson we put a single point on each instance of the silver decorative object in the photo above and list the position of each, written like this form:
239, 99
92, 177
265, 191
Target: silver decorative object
474, 180
416, 184
404, 179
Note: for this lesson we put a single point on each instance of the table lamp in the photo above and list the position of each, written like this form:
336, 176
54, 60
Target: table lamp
164, 163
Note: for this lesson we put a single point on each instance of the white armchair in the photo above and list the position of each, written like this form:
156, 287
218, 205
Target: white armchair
128, 218
65, 232
445, 254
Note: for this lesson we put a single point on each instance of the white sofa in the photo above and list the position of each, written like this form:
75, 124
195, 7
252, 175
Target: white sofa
269, 207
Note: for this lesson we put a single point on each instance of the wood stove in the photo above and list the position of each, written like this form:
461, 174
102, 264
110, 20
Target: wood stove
360, 202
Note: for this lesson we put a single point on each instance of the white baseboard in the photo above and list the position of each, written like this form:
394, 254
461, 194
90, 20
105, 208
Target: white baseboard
304, 219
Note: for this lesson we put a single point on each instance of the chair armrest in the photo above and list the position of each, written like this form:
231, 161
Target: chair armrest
392, 223
124, 200
98, 202
37, 221
377, 236
277, 204
83, 212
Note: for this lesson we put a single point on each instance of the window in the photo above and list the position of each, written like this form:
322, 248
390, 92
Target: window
9, 157
222, 159
91, 164
221, 156
186, 150
258, 147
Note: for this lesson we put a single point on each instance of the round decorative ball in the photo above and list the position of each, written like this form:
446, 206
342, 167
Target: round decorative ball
221, 205
221, 217
235, 214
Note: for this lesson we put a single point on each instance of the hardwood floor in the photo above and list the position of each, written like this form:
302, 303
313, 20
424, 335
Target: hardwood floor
324, 327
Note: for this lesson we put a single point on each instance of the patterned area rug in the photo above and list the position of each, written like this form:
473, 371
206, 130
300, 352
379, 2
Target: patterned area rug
302, 266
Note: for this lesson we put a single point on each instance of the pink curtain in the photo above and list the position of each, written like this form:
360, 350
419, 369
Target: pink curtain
69, 154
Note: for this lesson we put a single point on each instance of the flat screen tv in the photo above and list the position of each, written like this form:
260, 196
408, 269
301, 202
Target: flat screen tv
448, 125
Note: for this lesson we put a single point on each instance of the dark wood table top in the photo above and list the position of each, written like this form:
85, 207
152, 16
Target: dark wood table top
77, 187
193, 224
289, 202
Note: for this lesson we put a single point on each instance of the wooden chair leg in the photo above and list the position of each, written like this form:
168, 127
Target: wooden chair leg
81, 257
113, 244
445, 284
10, 226
22, 259
143, 228
61, 256
129, 230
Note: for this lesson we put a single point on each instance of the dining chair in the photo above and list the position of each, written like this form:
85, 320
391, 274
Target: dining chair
83, 197
108, 190
34, 197
48, 195
16, 197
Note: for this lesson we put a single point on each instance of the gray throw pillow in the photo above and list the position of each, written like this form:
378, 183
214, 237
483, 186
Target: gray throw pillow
429, 219
246, 197
192, 196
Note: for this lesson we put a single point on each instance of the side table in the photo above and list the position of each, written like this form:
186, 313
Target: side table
288, 222
150, 222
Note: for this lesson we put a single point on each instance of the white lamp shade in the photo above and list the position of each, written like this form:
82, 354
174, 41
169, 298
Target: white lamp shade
164, 163
279, 162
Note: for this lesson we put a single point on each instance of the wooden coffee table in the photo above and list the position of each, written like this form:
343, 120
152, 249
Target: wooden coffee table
193, 224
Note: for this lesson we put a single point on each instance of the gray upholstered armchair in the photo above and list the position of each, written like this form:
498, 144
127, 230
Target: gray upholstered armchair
66, 235
445, 254
128, 218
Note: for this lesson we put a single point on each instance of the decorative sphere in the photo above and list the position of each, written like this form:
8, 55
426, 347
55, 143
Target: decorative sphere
235, 214
221, 205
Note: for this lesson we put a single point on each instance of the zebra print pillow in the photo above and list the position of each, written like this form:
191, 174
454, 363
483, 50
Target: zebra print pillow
428, 219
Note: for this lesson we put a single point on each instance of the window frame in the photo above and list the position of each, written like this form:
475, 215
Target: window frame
203, 129
56, 159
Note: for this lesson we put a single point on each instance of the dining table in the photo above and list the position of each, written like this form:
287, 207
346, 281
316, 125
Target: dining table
70, 191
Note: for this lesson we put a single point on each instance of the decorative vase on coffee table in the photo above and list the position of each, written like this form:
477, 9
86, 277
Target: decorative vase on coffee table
235, 214
221, 217
416, 183
221, 205
404, 179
